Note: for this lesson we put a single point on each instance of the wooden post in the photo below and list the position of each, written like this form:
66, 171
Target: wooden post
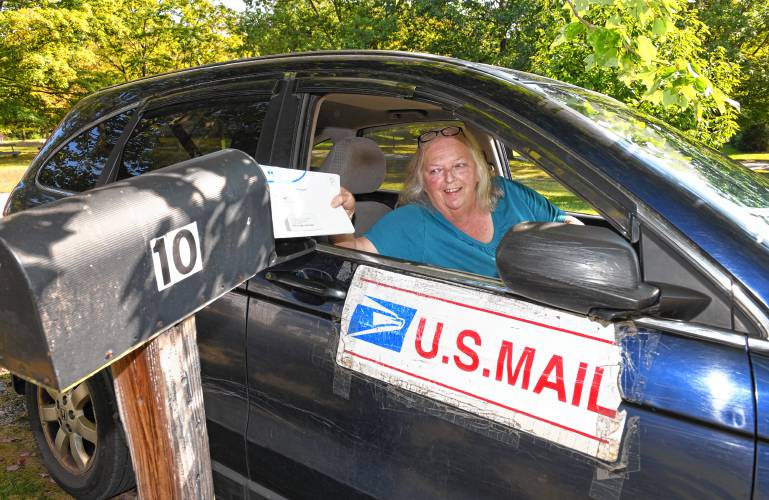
160, 397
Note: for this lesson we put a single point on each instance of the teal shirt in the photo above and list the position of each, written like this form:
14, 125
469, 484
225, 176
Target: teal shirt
419, 233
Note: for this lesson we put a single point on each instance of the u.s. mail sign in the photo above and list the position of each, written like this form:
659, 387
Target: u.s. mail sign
538, 370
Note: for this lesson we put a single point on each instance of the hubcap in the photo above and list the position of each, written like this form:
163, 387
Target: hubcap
69, 426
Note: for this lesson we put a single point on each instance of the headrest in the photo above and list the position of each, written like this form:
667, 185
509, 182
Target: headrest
359, 162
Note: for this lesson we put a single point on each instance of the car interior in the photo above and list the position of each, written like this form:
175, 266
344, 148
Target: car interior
369, 140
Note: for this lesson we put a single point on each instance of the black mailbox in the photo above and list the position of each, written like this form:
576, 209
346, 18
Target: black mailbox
90, 277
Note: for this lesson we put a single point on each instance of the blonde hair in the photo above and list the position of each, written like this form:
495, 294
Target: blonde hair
485, 192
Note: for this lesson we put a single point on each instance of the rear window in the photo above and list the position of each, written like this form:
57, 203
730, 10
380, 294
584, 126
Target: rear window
399, 143
77, 166
176, 133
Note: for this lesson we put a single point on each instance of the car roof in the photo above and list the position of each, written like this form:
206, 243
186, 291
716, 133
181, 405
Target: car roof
587, 139
112, 99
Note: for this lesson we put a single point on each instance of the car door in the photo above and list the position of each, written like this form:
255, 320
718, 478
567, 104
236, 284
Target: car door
176, 128
688, 404
320, 429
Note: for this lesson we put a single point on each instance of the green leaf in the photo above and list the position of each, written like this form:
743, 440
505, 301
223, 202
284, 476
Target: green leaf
696, 68
640, 10
701, 83
627, 63
614, 21
654, 97
688, 92
573, 30
646, 49
627, 77
648, 78
660, 27
669, 97
720, 99
667, 71
603, 39
582, 6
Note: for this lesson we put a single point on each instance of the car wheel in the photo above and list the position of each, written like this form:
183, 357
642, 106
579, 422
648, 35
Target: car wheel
81, 439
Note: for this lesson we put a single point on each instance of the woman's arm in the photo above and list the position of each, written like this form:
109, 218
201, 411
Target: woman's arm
346, 200
361, 243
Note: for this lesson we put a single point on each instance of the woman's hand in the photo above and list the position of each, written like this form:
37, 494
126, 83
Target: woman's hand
346, 200
570, 219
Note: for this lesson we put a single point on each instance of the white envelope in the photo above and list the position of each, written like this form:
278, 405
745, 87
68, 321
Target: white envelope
301, 203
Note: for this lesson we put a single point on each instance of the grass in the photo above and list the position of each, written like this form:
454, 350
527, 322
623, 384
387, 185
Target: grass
22, 475
537, 179
750, 156
12, 168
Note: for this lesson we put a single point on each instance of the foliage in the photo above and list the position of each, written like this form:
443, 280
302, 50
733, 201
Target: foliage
54, 53
649, 55
45, 63
688, 63
138, 38
742, 29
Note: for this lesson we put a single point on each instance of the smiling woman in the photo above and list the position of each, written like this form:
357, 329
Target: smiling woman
453, 213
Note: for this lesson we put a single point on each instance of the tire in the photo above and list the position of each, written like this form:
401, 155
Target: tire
80, 438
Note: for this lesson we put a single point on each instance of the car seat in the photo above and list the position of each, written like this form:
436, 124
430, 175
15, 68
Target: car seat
361, 167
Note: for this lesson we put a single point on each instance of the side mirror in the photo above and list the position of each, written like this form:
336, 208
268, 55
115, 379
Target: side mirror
584, 269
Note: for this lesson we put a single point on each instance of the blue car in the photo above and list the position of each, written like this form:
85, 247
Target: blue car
624, 358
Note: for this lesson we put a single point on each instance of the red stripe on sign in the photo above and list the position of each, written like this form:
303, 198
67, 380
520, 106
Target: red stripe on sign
489, 311
480, 398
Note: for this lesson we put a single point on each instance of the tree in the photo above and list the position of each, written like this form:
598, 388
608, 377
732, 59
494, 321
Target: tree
650, 55
647, 53
45, 64
54, 53
742, 30
138, 38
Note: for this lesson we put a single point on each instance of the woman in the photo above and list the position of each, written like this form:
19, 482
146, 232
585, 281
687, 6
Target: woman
453, 213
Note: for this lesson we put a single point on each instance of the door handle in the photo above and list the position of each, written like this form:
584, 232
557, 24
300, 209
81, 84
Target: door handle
313, 287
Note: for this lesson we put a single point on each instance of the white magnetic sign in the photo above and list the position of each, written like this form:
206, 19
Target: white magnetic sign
176, 255
546, 372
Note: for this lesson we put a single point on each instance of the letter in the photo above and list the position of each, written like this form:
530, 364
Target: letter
505, 360
576, 396
592, 402
436, 338
556, 362
467, 351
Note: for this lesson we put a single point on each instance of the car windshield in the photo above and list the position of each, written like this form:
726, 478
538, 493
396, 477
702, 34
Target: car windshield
738, 193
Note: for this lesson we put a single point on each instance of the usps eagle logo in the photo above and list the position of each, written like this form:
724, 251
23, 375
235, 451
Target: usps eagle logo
381, 323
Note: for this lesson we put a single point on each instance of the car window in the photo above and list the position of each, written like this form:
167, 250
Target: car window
176, 133
736, 193
528, 173
76, 167
399, 143
319, 153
